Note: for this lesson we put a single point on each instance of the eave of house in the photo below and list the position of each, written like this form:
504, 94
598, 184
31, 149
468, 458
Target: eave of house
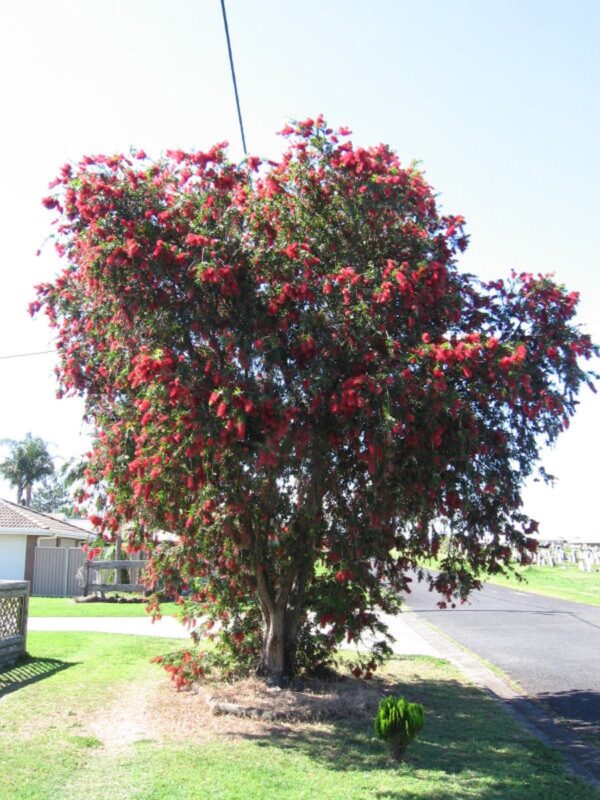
41, 532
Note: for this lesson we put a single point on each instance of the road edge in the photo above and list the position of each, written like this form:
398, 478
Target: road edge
582, 759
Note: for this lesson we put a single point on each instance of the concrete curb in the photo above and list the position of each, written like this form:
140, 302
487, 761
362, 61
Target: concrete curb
582, 759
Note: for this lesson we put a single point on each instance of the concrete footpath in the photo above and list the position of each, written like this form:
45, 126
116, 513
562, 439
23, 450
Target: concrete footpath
408, 641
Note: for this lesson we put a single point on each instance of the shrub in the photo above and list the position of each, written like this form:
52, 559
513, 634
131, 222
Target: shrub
185, 666
398, 722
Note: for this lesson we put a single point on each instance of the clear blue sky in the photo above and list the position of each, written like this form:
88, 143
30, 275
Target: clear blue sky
499, 100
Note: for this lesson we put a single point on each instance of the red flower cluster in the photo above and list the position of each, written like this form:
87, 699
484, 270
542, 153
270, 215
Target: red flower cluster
286, 369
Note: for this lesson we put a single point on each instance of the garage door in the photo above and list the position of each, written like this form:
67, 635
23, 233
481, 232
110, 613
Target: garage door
12, 556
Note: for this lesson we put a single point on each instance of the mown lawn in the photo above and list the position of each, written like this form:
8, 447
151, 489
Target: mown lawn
59, 739
66, 607
565, 581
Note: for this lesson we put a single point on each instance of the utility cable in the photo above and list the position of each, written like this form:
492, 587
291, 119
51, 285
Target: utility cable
235, 88
239, 112
25, 355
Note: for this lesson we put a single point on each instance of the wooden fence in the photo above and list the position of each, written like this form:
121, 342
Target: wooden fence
14, 603
99, 574
66, 572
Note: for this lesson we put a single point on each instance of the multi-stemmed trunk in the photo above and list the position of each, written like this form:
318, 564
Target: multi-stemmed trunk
282, 599
274, 661
281, 620
278, 657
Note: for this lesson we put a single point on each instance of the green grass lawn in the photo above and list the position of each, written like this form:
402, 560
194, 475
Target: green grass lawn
51, 747
66, 607
565, 581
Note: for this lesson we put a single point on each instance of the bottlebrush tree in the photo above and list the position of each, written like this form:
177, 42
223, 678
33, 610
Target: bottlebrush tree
286, 369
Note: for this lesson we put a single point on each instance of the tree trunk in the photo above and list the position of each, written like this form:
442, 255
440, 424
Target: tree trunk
272, 664
28, 492
281, 623
278, 657
282, 606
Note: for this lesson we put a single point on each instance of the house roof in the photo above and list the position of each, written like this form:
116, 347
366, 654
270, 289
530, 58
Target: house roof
15, 519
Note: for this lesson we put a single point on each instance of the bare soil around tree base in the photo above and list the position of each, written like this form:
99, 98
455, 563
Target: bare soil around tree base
311, 700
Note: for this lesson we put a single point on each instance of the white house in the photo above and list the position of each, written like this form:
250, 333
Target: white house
22, 530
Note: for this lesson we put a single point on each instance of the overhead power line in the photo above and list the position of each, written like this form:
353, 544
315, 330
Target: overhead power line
239, 112
26, 355
235, 88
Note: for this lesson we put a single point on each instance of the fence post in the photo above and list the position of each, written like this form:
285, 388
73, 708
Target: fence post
14, 597
66, 575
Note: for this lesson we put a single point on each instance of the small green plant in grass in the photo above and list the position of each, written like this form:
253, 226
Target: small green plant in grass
398, 722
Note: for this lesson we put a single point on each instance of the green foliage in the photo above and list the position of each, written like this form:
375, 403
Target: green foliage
284, 366
236, 646
398, 722
185, 666
314, 655
52, 496
28, 462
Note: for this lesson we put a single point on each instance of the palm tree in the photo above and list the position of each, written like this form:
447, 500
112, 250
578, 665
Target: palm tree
29, 461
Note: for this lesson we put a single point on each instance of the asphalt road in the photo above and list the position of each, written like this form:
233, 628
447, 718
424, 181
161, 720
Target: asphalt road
551, 647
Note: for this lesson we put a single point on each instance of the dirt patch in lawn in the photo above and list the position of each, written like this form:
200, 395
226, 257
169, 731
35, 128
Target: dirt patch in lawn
311, 701
258, 709
159, 712
128, 719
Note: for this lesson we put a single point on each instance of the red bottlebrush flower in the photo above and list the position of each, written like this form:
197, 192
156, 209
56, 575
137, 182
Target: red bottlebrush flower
197, 240
291, 251
288, 370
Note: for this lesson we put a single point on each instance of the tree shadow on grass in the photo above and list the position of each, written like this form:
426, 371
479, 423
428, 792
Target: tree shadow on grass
30, 670
469, 743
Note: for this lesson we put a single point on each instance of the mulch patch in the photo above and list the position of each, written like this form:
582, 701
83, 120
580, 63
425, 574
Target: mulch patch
310, 700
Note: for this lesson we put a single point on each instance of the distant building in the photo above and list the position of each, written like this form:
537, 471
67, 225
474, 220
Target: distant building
22, 530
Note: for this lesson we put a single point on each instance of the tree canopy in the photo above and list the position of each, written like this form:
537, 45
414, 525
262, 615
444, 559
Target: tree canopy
28, 462
286, 368
54, 494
